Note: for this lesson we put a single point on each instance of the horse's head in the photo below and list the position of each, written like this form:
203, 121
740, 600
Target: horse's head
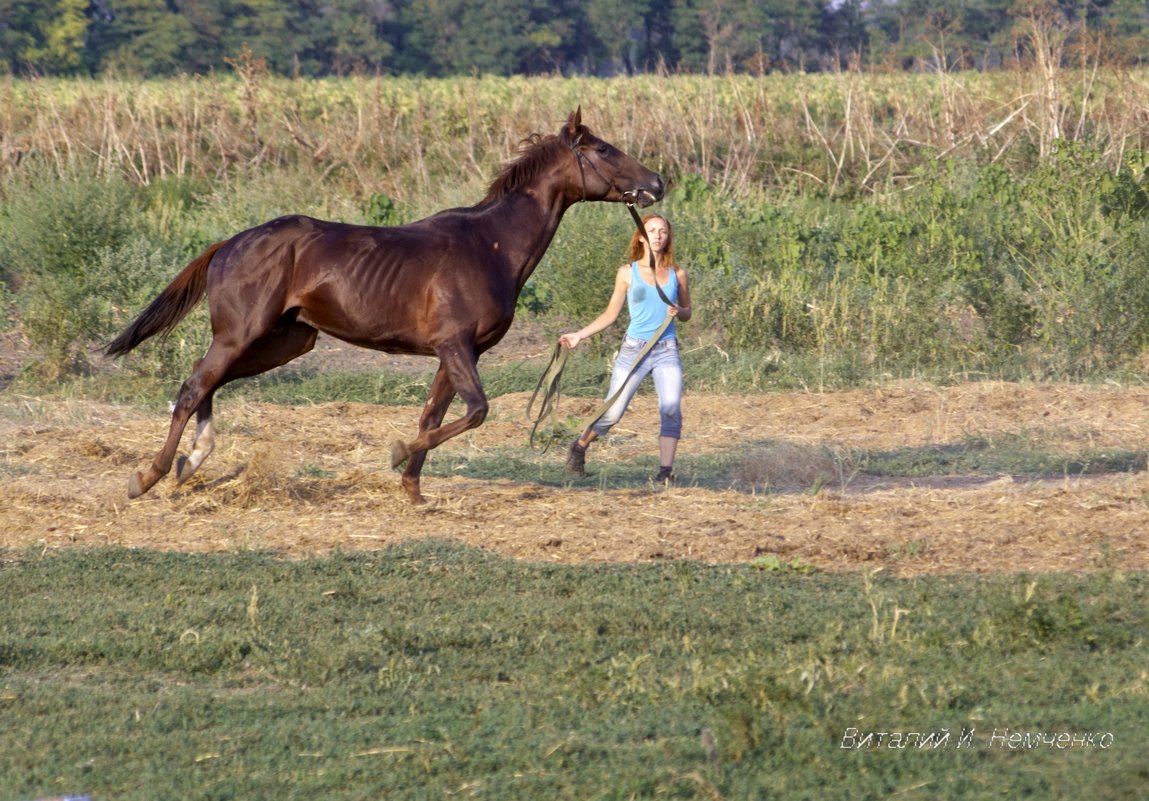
605, 172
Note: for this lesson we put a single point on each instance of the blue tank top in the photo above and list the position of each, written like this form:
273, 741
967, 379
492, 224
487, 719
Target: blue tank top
647, 311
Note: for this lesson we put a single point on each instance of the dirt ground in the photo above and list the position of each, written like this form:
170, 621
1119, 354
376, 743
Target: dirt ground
309, 480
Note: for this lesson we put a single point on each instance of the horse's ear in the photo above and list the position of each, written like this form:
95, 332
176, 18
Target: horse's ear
573, 131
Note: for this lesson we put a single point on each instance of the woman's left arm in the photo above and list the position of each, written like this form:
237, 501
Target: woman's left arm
682, 310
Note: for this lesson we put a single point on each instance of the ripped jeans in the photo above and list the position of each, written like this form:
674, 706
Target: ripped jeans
665, 366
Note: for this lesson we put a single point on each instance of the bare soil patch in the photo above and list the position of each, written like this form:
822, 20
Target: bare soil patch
308, 480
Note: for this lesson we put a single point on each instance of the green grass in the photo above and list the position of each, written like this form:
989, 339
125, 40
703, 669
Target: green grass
435, 671
587, 373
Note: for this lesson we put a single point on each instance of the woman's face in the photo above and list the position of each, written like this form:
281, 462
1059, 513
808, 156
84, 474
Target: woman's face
658, 231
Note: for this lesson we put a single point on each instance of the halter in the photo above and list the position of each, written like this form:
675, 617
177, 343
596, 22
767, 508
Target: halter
630, 198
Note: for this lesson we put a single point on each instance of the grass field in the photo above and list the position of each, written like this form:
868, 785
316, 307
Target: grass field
435, 671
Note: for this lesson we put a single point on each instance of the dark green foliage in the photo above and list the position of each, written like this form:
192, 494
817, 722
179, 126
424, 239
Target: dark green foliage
530, 36
964, 271
56, 225
426, 668
381, 210
576, 276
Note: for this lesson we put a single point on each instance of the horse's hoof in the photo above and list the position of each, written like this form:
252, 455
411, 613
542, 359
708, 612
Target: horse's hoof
411, 487
135, 486
399, 453
184, 469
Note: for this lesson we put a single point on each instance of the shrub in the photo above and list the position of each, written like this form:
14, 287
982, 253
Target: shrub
53, 234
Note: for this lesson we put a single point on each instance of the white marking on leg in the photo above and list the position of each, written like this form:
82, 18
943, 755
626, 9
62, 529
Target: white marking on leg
202, 446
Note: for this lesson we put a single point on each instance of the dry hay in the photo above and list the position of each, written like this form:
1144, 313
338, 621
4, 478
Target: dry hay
307, 480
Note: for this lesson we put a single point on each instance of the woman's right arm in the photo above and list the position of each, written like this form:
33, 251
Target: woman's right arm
609, 315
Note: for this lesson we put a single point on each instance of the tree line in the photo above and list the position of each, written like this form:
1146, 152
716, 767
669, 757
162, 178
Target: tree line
313, 38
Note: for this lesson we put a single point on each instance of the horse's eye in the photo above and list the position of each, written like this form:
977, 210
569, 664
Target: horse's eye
603, 148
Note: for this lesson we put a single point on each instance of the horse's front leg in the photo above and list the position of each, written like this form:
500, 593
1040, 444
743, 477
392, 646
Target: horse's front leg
458, 369
438, 401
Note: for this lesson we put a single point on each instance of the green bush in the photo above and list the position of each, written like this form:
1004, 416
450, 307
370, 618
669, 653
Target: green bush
966, 269
1085, 268
56, 241
1050, 263
574, 280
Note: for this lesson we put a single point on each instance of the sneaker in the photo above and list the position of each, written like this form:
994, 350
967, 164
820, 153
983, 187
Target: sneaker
576, 460
665, 476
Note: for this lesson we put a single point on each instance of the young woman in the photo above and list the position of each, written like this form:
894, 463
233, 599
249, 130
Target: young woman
634, 286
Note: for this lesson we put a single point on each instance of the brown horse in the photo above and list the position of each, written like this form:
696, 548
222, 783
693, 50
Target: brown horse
445, 286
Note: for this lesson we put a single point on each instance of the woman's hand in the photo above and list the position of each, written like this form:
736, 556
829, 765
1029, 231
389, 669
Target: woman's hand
570, 340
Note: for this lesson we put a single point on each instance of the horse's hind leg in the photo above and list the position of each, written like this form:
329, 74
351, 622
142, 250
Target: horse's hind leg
200, 384
286, 340
203, 443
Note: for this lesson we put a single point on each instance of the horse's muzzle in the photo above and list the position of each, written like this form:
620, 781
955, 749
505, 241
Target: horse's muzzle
645, 196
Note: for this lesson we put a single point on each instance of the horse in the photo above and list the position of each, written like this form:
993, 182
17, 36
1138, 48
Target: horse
444, 286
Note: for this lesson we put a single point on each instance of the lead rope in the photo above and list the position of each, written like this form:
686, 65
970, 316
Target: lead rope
549, 381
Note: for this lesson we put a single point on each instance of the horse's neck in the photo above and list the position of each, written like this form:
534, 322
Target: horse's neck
524, 229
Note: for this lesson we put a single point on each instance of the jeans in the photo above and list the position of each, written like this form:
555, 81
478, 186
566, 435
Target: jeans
663, 363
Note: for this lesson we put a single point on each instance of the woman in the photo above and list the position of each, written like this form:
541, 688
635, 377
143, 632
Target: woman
634, 285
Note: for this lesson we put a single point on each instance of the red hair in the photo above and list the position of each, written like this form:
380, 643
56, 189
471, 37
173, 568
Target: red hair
637, 240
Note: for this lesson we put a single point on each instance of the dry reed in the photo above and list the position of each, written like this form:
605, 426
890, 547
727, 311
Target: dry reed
402, 136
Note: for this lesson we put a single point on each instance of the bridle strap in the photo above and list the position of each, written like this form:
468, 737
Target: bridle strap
649, 251
580, 160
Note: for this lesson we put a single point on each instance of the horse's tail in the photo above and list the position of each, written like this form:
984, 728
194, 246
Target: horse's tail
171, 306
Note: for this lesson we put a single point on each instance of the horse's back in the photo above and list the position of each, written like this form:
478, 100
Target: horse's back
434, 236
376, 286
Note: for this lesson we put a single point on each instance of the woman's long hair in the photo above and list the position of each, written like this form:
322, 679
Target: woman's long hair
637, 250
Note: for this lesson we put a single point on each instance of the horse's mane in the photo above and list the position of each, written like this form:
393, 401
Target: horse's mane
535, 153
